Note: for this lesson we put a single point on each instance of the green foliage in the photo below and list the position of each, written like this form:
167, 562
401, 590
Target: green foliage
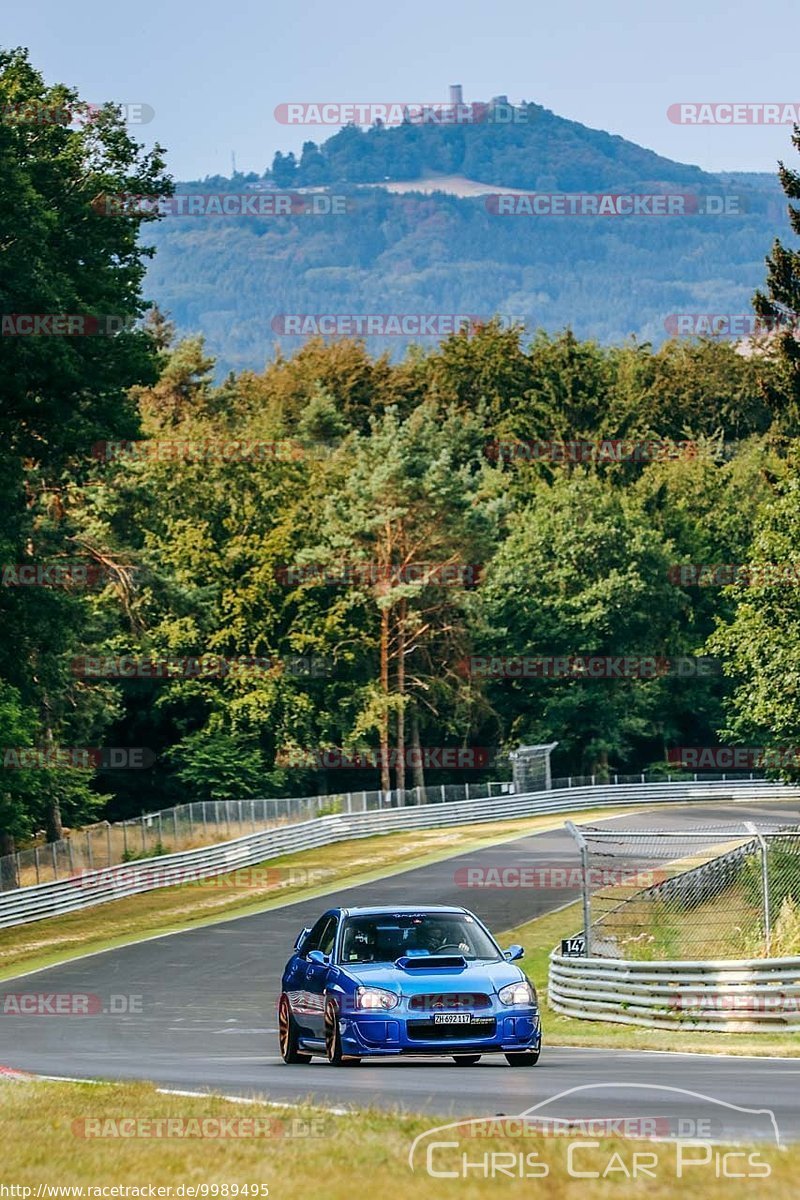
377, 462
63, 254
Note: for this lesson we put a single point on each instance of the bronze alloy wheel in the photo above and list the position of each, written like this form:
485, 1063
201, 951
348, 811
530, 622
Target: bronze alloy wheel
333, 1039
287, 1035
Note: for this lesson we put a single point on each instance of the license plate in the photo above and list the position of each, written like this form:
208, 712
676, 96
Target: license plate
446, 1018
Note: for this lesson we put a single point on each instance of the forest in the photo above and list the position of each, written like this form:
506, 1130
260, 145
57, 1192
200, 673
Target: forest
351, 569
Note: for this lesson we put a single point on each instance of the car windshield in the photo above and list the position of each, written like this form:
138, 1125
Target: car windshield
384, 937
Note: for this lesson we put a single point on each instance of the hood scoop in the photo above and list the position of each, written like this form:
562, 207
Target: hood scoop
429, 962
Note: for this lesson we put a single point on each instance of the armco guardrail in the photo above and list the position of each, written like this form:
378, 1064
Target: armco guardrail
97, 887
736, 995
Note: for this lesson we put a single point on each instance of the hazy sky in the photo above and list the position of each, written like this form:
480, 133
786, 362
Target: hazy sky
214, 72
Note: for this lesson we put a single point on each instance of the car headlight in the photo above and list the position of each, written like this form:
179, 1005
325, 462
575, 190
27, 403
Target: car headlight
518, 993
371, 997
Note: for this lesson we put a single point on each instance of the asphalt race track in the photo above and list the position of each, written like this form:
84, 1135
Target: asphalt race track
207, 1016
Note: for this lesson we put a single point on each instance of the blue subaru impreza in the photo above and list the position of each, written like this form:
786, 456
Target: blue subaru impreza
400, 981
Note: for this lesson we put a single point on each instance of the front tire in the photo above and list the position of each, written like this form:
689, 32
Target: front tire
466, 1060
333, 1039
526, 1058
287, 1035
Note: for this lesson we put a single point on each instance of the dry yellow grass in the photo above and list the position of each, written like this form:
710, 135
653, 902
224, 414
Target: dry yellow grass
332, 1156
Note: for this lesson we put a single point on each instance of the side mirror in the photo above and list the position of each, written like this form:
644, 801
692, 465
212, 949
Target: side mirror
316, 956
513, 953
301, 937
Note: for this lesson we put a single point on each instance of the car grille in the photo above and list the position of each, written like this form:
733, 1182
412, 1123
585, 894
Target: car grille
450, 1002
426, 1031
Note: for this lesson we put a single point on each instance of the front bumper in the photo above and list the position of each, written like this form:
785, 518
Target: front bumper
510, 1030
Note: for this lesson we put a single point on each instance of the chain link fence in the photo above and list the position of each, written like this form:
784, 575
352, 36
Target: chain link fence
207, 822
713, 892
204, 823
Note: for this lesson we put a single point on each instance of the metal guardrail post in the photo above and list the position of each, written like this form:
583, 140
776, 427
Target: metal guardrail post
580, 840
752, 828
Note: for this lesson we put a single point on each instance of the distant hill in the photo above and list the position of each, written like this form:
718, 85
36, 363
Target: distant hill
233, 278
526, 147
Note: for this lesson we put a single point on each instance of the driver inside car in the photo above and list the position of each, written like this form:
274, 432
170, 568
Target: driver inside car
440, 935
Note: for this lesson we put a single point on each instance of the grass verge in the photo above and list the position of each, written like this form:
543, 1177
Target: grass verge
303, 1152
